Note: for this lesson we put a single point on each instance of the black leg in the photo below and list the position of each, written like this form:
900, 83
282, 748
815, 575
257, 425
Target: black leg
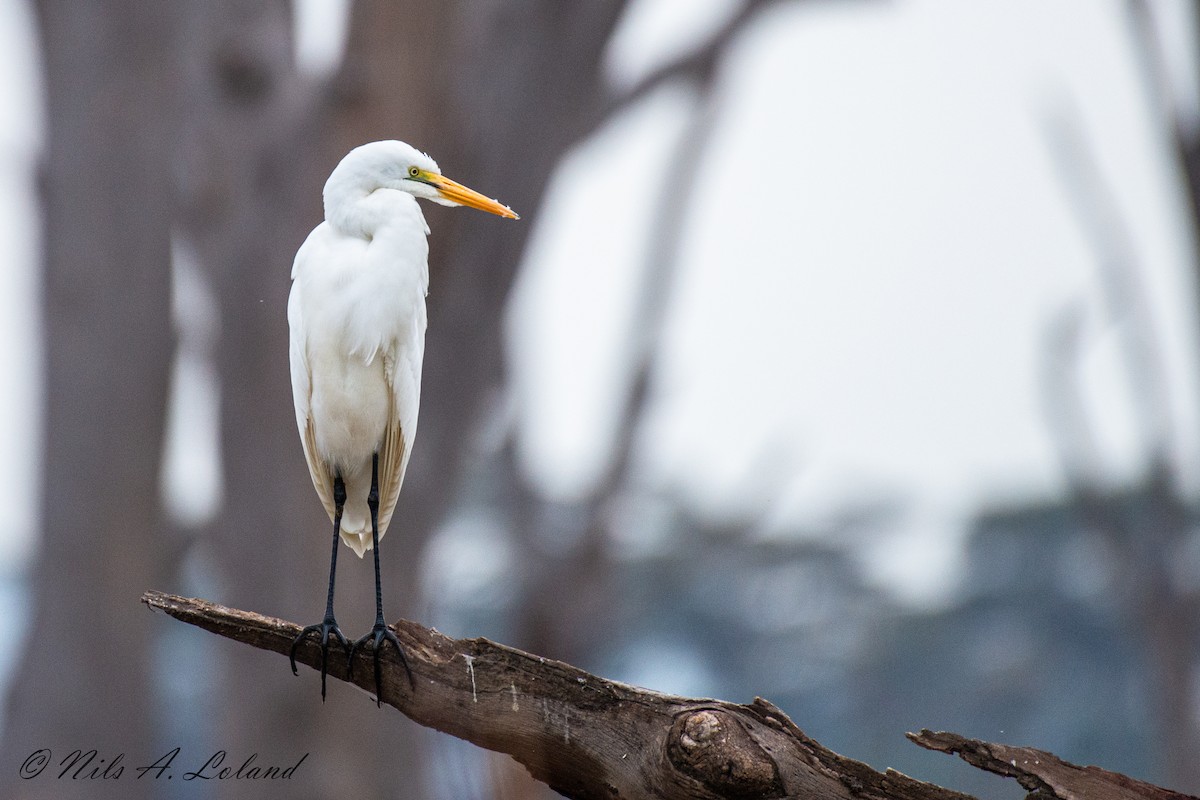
329, 624
380, 633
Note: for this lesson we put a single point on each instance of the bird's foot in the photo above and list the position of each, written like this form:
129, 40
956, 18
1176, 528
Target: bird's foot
322, 630
379, 634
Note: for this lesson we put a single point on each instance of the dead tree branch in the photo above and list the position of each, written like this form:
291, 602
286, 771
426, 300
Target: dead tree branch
1044, 774
587, 737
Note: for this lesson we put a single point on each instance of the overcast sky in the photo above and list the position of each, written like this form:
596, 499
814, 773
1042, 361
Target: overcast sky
880, 243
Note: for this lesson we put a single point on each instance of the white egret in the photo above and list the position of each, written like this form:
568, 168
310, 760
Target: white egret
356, 316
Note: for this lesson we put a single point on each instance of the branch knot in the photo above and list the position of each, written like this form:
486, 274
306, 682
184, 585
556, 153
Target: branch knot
714, 748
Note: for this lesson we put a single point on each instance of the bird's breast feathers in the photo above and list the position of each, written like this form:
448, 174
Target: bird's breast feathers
363, 295
357, 313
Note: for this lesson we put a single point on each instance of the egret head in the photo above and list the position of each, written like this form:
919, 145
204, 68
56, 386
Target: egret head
391, 164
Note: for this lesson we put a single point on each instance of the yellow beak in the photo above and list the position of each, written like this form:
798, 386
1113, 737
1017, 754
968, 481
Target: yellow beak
460, 194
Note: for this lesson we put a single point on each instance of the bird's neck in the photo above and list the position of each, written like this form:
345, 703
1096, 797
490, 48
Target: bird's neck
367, 213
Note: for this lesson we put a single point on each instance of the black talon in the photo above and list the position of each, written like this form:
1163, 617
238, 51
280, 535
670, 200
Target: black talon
380, 633
329, 624
324, 628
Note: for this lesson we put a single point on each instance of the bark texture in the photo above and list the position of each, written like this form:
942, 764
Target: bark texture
592, 739
1043, 774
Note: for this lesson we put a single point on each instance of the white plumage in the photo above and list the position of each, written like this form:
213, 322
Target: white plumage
357, 319
356, 315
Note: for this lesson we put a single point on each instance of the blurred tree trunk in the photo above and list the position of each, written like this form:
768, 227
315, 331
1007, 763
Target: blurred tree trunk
497, 93
447, 78
1167, 611
1164, 612
108, 343
519, 83
261, 142
253, 162
1160, 610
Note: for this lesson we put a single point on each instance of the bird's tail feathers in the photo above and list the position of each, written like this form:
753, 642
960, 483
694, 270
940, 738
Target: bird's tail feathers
359, 541
356, 528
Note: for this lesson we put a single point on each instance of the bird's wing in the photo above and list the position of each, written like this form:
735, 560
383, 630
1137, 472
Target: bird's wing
302, 396
402, 368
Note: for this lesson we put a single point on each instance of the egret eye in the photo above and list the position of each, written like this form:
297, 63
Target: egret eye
413, 172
